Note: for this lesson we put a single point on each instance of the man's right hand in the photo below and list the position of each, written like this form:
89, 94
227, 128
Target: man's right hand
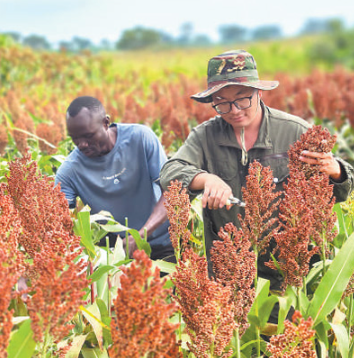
216, 191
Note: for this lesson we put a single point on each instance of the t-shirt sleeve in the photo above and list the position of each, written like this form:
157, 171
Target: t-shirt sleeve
63, 178
155, 154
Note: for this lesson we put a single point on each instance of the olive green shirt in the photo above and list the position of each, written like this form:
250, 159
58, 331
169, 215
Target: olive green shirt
212, 147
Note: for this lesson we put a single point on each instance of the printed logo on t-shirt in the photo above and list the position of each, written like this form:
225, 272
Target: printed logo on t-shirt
115, 176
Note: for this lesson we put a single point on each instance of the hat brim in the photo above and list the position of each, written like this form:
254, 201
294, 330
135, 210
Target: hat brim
205, 96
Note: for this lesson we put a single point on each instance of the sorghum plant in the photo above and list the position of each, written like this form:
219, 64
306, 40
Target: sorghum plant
234, 267
296, 341
316, 139
261, 201
141, 327
306, 212
178, 208
293, 240
207, 307
10, 266
51, 249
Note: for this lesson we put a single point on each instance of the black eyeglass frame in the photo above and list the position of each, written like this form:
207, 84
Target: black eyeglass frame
235, 103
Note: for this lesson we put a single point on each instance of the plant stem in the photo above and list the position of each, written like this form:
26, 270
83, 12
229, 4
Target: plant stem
108, 278
45, 344
350, 314
304, 287
255, 249
237, 337
298, 298
92, 284
323, 255
126, 240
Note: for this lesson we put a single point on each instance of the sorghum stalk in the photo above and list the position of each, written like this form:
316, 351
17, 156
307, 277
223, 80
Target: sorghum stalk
108, 278
178, 207
350, 314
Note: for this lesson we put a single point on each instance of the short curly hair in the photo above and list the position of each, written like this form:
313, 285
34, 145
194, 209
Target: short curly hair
91, 103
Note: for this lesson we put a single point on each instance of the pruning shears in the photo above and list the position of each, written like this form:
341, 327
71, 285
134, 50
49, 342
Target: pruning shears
236, 201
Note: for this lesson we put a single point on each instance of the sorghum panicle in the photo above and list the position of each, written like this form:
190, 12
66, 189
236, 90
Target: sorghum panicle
316, 139
296, 341
178, 207
293, 240
261, 202
11, 264
234, 266
306, 212
141, 327
56, 279
207, 307
42, 208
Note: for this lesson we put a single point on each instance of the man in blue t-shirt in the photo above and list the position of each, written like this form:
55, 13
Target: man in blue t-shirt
116, 168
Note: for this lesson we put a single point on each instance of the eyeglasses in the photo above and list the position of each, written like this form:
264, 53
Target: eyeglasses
240, 103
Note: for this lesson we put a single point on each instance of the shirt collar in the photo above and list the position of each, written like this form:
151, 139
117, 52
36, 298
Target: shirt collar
226, 136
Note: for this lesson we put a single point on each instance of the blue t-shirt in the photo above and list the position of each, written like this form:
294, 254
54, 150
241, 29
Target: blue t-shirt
124, 181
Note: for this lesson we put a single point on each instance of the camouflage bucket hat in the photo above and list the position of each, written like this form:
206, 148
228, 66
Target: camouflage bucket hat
236, 67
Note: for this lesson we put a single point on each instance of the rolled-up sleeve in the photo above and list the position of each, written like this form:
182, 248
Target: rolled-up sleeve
186, 163
343, 189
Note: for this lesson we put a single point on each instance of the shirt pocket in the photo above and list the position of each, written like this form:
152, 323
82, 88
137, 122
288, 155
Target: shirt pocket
279, 166
225, 169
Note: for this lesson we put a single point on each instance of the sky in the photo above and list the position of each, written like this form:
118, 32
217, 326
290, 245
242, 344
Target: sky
106, 19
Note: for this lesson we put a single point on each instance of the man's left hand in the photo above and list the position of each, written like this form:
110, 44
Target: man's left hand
325, 161
132, 245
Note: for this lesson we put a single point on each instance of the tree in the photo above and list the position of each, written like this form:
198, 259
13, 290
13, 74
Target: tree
106, 45
139, 38
37, 42
66, 46
80, 43
14, 35
201, 40
185, 37
314, 26
267, 32
232, 33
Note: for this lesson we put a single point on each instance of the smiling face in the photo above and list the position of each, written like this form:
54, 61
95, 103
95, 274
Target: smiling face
89, 131
240, 118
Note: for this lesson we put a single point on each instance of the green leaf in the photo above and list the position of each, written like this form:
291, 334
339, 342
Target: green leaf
321, 330
19, 319
265, 310
100, 272
21, 343
340, 220
94, 353
285, 302
82, 227
76, 346
164, 266
140, 243
334, 282
351, 349
342, 339
93, 315
262, 294
106, 319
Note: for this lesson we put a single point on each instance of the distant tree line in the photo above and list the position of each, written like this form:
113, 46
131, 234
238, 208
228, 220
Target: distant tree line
141, 37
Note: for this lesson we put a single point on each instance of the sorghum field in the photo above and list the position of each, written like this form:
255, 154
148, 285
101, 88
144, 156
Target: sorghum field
62, 295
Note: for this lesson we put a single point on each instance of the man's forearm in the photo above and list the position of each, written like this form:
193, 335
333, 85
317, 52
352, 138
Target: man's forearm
157, 218
198, 181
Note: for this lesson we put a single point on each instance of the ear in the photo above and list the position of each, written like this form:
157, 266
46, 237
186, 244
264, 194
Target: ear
260, 92
106, 121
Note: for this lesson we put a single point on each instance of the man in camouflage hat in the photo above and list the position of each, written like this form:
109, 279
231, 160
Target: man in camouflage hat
215, 158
